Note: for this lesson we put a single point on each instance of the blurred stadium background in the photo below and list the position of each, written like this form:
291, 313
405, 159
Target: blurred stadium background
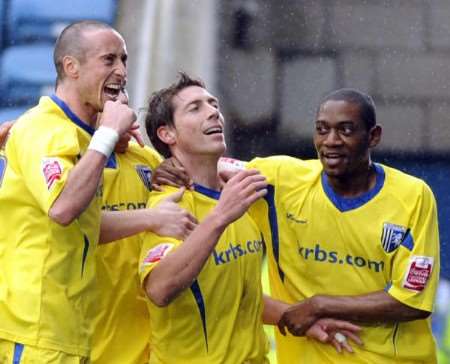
270, 61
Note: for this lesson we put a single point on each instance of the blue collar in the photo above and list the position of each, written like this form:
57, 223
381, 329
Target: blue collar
346, 204
207, 191
71, 115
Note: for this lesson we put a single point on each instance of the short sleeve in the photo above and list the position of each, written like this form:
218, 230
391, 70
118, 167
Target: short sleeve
155, 247
415, 269
44, 161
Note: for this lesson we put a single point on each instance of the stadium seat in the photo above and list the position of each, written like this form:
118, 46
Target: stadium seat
43, 20
26, 73
12, 113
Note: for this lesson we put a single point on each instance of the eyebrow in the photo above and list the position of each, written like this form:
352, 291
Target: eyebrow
197, 101
339, 123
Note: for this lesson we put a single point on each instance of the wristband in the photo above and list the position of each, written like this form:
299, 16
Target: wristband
104, 140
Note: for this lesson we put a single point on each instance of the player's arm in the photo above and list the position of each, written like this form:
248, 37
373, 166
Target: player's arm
323, 330
177, 270
84, 177
4, 131
369, 309
165, 219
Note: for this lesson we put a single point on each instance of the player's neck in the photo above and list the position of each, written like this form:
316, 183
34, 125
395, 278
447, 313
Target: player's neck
202, 169
72, 99
355, 184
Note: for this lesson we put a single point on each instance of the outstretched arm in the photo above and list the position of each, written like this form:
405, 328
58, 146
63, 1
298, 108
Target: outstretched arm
370, 309
323, 330
165, 219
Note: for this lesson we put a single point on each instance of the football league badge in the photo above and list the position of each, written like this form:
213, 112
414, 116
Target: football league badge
392, 236
145, 174
418, 273
52, 170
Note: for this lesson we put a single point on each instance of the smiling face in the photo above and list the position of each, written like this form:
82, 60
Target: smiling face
102, 70
198, 124
342, 140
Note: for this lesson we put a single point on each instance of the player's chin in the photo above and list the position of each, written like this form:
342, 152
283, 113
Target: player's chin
334, 171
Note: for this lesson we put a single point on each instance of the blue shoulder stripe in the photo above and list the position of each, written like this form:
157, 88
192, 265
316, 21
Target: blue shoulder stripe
408, 241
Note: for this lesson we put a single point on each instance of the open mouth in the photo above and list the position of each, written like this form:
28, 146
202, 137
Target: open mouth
113, 90
213, 130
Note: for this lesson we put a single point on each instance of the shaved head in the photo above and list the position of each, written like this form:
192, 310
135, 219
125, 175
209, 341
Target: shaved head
72, 42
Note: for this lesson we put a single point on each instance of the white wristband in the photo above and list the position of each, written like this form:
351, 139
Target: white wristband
104, 140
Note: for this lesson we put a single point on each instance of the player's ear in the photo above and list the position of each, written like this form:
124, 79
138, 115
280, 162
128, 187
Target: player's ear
166, 134
375, 136
71, 67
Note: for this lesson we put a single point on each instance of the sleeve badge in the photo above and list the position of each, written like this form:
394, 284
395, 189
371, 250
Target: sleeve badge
157, 253
418, 273
52, 170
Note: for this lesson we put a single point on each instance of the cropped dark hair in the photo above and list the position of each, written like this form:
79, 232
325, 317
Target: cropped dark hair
367, 110
161, 109
71, 43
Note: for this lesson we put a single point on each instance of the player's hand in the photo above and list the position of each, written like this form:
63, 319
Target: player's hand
335, 332
298, 318
170, 172
239, 193
117, 116
124, 139
4, 132
171, 220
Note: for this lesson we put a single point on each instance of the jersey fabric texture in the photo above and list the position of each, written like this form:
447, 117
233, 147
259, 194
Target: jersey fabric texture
218, 318
122, 326
321, 243
14, 353
47, 279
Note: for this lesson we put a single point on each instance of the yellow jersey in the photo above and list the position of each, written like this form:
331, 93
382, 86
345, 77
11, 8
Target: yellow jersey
321, 243
47, 286
122, 325
218, 319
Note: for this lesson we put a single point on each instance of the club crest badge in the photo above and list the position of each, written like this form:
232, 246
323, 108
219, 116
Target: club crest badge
145, 174
52, 170
392, 236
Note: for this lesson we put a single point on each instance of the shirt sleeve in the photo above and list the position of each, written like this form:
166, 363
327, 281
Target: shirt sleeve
45, 160
155, 247
415, 269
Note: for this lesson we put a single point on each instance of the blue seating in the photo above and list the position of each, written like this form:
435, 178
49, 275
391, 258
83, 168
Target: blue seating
12, 113
44, 19
26, 73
